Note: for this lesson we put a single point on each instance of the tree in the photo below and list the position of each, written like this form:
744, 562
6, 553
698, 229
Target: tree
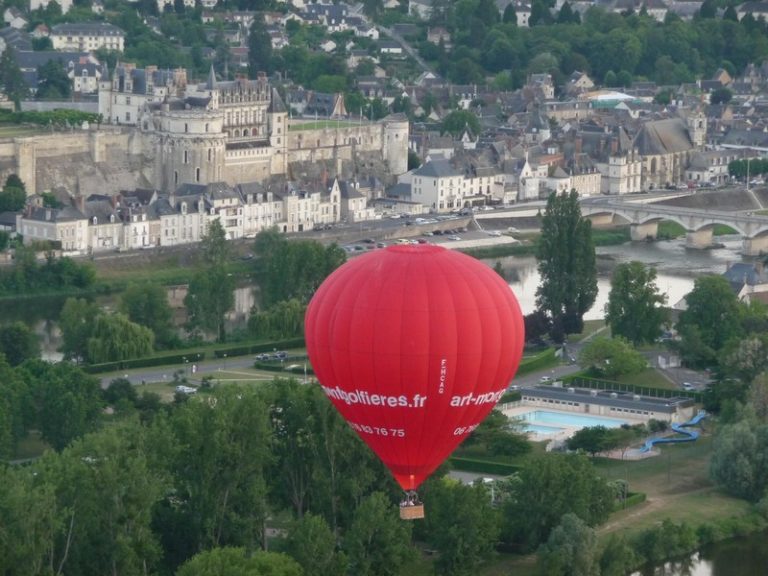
617, 557
107, 484
259, 48
458, 121
611, 357
312, 544
378, 542
114, 338
76, 323
147, 304
295, 269
635, 304
211, 291
221, 450
510, 16
18, 343
53, 82
13, 195
591, 439
11, 78
238, 562
745, 358
739, 462
570, 550
67, 401
710, 320
550, 486
720, 96
708, 9
566, 256
461, 524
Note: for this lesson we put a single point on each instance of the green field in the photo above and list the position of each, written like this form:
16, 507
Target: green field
17, 131
295, 125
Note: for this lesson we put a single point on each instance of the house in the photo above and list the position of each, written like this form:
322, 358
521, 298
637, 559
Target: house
41, 31
420, 8
757, 9
18, 40
14, 18
328, 45
37, 4
578, 83
83, 69
390, 47
66, 226
438, 34
87, 37
749, 281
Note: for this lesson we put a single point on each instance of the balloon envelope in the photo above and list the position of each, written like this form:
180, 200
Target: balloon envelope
414, 345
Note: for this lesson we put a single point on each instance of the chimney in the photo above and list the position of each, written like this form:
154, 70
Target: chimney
577, 144
79, 201
614, 146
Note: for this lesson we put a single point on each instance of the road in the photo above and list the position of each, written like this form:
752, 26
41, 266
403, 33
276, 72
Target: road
407, 47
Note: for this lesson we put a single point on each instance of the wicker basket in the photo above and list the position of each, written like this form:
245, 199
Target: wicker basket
414, 512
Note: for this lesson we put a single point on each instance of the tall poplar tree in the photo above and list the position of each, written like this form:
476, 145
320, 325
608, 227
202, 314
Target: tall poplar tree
566, 256
211, 292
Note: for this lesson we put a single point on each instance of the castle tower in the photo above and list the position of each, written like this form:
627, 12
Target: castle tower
395, 148
190, 148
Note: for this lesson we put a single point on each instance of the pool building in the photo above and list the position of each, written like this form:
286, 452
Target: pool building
555, 411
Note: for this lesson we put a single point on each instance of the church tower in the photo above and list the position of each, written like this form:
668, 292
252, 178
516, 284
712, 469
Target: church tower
697, 128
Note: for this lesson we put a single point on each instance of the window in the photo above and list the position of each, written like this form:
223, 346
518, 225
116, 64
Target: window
186, 127
197, 174
186, 157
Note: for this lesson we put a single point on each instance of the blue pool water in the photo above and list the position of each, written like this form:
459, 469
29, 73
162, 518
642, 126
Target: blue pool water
546, 422
539, 429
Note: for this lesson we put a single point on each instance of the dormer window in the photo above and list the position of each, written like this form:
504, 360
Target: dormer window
183, 207
95, 221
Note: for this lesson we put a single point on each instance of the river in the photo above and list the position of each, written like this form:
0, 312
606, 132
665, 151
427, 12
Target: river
677, 268
747, 556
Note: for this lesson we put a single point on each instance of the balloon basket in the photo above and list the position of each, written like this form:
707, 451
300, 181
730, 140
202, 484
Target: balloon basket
411, 511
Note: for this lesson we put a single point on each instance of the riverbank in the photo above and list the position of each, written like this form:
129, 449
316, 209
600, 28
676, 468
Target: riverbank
677, 488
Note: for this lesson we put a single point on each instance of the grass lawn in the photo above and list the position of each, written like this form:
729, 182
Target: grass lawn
17, 131
590, 327
648, 377
295, 125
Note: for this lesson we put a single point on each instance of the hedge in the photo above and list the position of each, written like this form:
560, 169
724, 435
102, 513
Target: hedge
245, 349
182, 358
483, 466
633, 499
166, 360
594, 383
541, 360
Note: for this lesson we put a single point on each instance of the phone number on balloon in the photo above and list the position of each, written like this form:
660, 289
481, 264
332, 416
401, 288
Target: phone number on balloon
377, 431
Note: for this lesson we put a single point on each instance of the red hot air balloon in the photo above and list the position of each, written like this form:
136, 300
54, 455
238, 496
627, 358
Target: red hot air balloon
414, 345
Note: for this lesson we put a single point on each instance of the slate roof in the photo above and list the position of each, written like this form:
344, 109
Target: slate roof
86, 29
741, 273
437, 169
663, 137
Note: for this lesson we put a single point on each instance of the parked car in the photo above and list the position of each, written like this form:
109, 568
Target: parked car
545, 379
188, 390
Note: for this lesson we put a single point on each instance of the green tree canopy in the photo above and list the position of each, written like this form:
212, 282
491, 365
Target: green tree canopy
53, 82
18, 343
378, 542
635, 304
76, 322
611, 357
461, 524
211, 291
458, 121
114, 337
710, 320
738, 460
312, 544
147, 304
570, 550
550, 486
239, 562
566, 256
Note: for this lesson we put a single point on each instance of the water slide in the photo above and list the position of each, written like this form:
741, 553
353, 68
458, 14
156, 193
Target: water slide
687, 435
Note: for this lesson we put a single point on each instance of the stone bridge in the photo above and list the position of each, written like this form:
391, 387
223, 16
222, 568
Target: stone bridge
644, 219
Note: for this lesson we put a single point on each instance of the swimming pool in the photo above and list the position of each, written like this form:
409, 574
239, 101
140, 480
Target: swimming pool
547, 422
